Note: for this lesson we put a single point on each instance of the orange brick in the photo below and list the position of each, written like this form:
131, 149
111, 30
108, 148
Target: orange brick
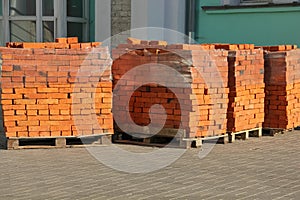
25, 90
39, 128
8, 112
25, 101
57, 96
47, 90
55, 133
45, 134
61, 128
61, 40
43, 112
60, 117
34, 134
72, 40
75, 46
62, 46
85, 45
51, 45
33, 45
163, 43
47, 101
16, 128
21, 112
28, 123
37, 107
23, 134
11, 96
11, 134
96, 44
134, 41
7, 91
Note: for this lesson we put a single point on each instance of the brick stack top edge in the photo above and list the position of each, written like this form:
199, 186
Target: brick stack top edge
133, 43
60, 43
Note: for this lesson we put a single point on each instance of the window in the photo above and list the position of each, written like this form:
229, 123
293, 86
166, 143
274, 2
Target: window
77, 23
43, 20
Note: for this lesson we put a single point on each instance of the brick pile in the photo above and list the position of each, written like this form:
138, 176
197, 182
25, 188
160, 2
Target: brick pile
282, 89
277, 48
246, 83
52, 92
199, 105
60, 43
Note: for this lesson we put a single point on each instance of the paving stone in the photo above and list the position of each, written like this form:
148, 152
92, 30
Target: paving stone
265, 168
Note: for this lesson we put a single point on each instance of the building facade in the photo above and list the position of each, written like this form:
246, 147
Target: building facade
262, 22
89, 20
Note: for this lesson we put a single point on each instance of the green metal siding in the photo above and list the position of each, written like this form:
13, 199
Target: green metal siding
261, 26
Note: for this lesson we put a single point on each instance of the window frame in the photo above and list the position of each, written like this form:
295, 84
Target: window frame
60, 20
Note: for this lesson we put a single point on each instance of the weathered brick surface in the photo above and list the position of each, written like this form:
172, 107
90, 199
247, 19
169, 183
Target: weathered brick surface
56, 92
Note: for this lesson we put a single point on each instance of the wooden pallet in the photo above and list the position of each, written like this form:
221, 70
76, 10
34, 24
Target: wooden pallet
244, 135
57, 142
198, 142
177, 142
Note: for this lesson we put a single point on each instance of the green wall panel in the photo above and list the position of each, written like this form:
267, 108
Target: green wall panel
261, 26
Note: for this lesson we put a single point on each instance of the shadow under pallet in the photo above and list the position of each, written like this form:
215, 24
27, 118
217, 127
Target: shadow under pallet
172, 138
57, 142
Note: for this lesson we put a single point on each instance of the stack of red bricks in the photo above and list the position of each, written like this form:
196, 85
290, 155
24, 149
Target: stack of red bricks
245, 66
48, 92
246, 82
210, 87
188, 82
282, 89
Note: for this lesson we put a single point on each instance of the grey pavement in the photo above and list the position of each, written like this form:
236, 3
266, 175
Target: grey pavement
259, 168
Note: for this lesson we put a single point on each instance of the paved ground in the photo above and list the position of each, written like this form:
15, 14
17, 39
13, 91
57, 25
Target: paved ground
267, 168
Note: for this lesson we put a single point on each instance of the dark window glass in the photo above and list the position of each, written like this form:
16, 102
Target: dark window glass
48, 31
75, 30
23, 31
75, 8
48, 8
1, 34
0, 8
22, 8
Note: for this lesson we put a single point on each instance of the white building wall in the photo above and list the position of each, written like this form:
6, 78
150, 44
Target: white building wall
102, 20
162, 14
168, 14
